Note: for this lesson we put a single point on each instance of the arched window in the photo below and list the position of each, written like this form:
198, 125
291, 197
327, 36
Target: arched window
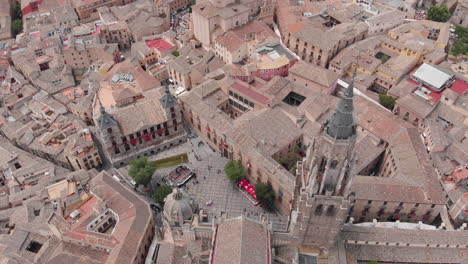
323, 162
333, 164
406, 116
331, 210
318, 209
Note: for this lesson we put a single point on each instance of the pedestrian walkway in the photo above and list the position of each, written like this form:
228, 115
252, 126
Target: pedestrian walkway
216, 194
211, 188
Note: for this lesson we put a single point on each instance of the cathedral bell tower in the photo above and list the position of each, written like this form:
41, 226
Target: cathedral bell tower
109, 131
332, 153
323, 202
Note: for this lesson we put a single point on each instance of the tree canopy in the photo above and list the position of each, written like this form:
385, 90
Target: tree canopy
387, 101
17, 14
265, 194
17, 23
141, 170
289, 161
234, 170
439, 13
16, 26
460, 46
161, 193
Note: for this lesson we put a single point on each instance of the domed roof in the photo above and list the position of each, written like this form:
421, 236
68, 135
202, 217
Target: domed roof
179, 207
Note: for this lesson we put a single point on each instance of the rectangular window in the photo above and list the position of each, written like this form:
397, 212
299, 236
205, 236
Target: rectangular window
318, 209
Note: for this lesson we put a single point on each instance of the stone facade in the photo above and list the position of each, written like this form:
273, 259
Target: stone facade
148, 139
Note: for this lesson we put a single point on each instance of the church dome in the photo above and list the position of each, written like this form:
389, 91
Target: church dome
179, 207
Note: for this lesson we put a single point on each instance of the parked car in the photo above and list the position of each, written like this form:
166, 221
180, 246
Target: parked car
132, 183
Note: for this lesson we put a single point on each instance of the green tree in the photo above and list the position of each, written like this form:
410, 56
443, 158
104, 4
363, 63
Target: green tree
387, 101
439, 13
265, 195
17, 12
460, 46
141, 170
176, 53
16, 26
234, 170
297, 148
161, 193
290, 160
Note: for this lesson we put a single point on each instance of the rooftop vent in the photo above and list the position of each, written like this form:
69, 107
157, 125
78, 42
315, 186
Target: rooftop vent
75, 214
122, 77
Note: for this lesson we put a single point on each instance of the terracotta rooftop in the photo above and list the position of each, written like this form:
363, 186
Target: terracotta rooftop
133, 213
234, 38
243, 89
159, 44
241, 241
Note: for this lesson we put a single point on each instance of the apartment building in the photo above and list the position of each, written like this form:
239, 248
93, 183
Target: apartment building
192, 64
87, 9
117, 32
460, 14
81, 152
151, 50
133, 21
81, 52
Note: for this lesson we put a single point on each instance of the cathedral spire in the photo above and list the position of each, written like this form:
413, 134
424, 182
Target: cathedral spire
105, 120
341, 125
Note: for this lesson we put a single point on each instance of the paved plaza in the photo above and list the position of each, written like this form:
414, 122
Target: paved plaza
213, 184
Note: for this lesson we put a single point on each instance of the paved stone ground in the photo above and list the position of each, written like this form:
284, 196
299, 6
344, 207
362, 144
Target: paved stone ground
213, 184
